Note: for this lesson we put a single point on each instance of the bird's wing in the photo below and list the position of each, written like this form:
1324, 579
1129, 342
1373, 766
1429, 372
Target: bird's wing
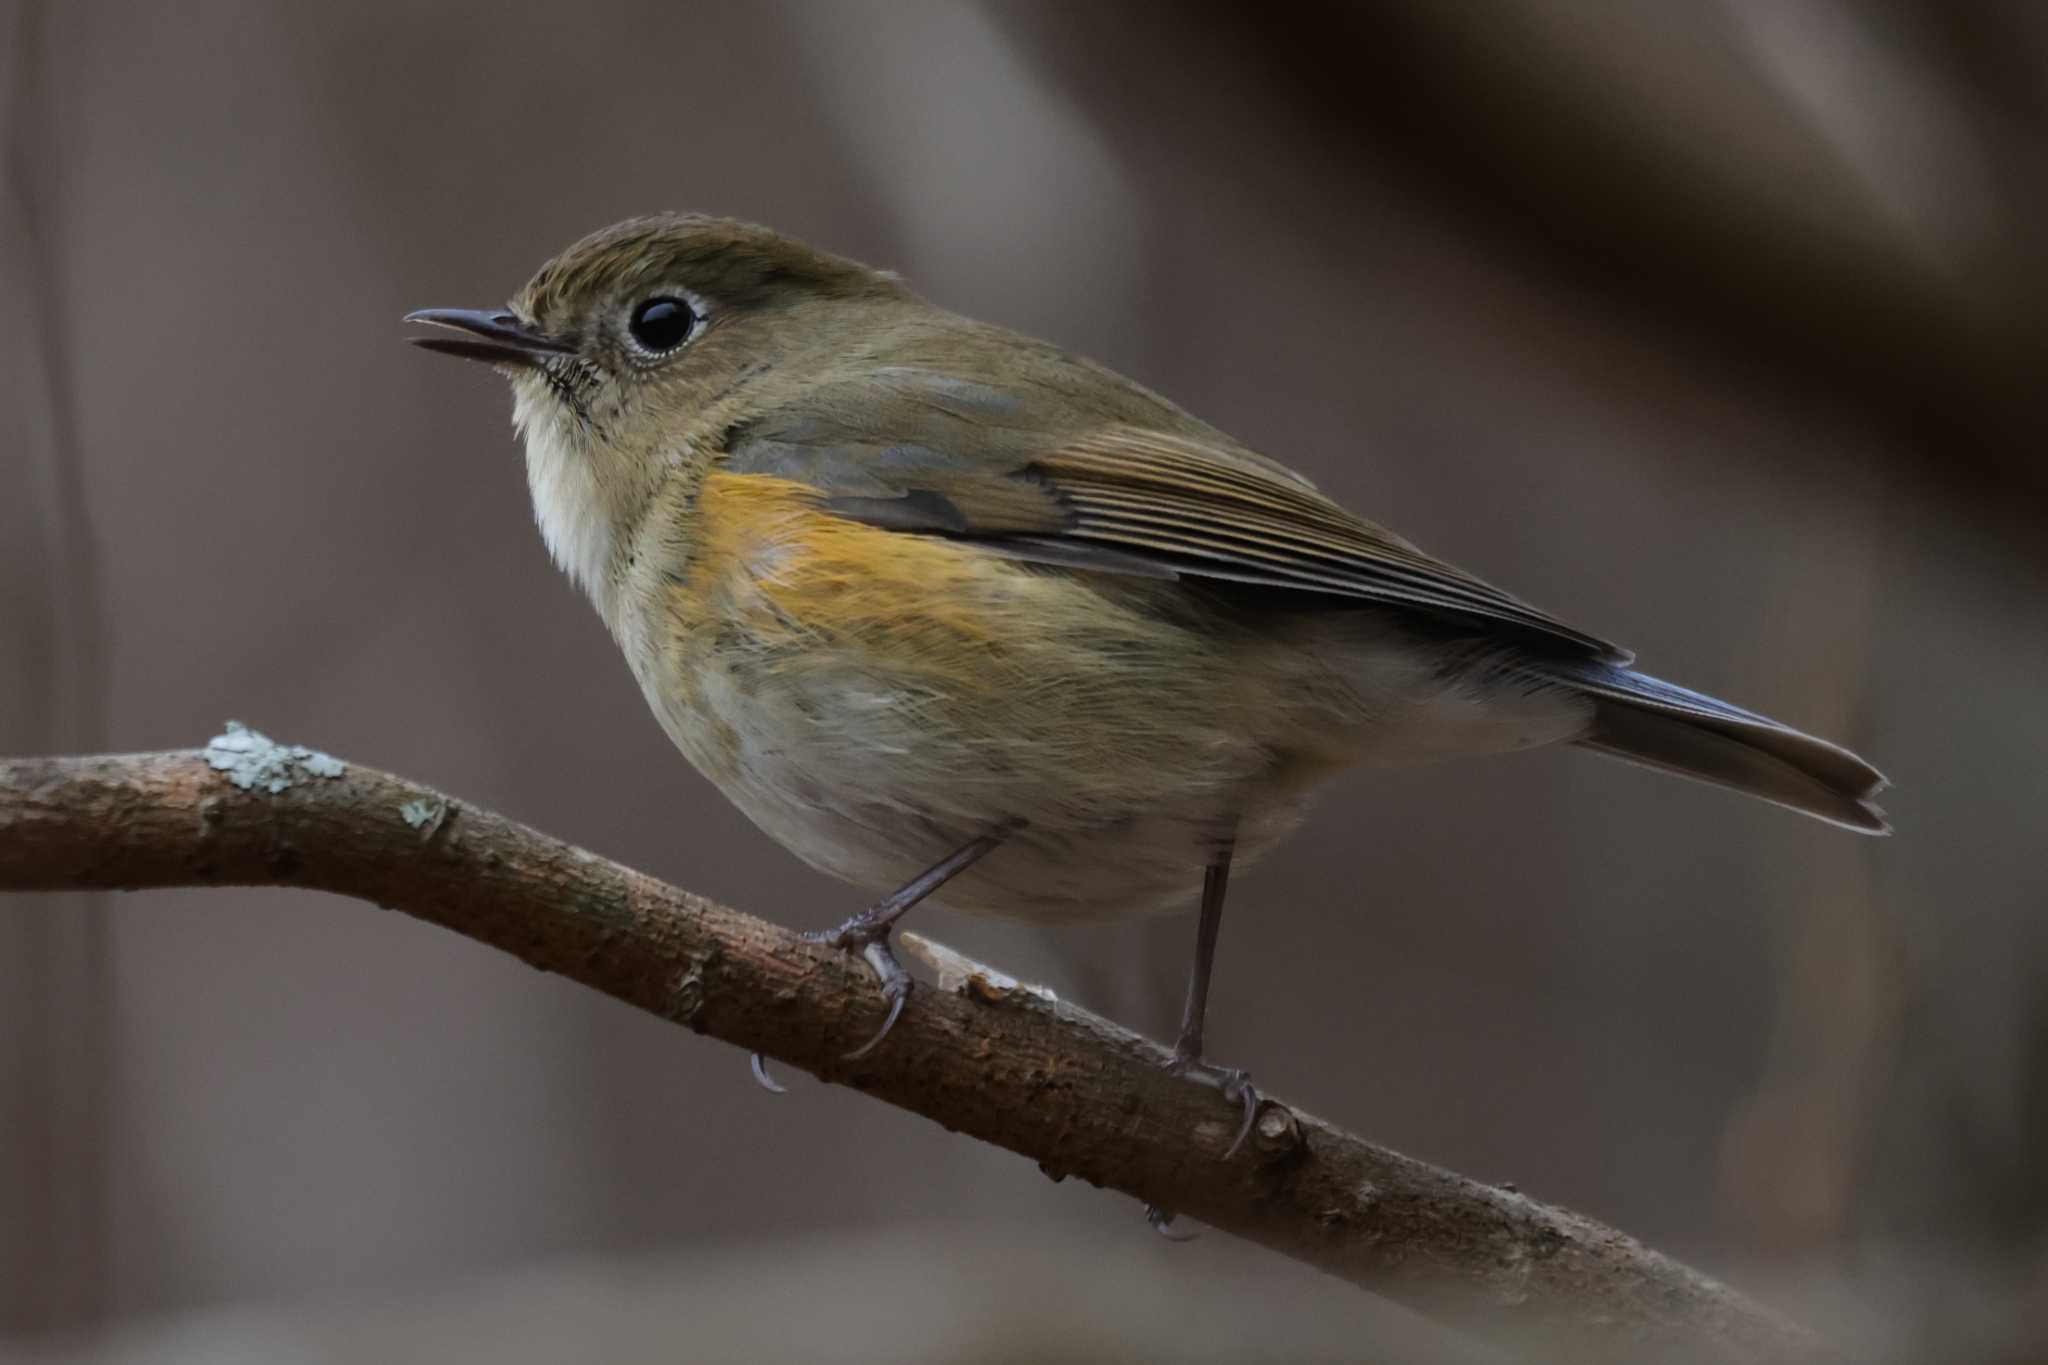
1122, 499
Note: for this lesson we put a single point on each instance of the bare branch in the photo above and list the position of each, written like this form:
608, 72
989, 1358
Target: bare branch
982, 1055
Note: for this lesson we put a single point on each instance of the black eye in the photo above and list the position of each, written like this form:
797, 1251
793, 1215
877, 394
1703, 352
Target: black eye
662, 324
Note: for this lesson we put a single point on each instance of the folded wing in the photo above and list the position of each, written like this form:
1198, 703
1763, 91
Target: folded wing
961, 460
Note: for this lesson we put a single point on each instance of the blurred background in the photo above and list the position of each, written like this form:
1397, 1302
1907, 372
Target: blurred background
1718, 329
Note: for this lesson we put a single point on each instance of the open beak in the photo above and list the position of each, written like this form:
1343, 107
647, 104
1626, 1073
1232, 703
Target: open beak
498, 337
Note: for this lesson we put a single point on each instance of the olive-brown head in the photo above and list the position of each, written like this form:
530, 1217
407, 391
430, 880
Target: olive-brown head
640, 345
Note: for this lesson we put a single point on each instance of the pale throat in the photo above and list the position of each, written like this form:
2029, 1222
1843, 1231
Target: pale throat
574, 513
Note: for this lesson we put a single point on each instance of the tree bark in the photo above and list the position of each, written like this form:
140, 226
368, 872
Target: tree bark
981, 1055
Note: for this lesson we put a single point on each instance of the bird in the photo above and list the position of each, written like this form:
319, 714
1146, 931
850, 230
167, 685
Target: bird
953, 614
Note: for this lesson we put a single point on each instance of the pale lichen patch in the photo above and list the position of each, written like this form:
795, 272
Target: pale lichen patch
421, 811
253, 760
960, 974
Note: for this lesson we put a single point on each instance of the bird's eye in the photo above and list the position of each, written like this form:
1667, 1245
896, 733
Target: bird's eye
662, 324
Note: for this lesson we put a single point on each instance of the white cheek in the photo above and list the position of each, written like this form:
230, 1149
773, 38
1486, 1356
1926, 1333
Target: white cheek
571, 510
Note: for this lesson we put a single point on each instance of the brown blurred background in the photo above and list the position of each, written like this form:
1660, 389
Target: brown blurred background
1717, 328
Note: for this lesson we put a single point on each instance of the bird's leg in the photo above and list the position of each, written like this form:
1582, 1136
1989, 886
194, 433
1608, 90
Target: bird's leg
1234, 1084
868, 933
1187, 1060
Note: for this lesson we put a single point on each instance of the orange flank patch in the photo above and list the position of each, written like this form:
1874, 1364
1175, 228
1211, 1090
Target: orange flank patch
764, 557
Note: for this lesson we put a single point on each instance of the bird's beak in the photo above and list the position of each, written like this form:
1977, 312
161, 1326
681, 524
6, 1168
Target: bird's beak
501, 337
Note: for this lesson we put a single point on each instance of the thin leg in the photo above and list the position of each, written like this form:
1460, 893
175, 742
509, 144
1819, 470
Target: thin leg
868, 934
1235, 1085
872, 924
1215, 882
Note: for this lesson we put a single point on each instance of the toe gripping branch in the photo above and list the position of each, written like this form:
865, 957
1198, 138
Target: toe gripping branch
1235, 1085
894, 982
869, 931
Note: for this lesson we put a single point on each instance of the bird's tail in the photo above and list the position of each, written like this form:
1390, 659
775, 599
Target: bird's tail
1658, 725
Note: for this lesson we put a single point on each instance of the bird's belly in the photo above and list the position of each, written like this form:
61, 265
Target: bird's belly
872, 779
1046, 871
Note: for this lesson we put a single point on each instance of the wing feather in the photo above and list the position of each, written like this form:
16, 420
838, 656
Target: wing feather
1212, 510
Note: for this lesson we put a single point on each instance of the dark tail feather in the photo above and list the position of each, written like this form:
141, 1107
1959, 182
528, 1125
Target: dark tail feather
1644, 720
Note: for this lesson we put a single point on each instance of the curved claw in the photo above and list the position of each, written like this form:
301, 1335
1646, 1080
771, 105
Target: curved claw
1250, 1099
759, 1065
869, 930
1162, 1223
896, 999
1235, 1086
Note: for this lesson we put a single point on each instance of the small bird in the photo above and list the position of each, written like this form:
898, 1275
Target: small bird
948, 610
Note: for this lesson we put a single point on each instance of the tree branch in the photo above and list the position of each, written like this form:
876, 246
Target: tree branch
981, 1055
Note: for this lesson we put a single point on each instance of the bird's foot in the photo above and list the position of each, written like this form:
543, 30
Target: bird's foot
868, 933
868, 936
1234, 1084
871, 940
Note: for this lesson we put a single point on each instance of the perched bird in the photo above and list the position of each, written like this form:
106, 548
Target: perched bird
948, 610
